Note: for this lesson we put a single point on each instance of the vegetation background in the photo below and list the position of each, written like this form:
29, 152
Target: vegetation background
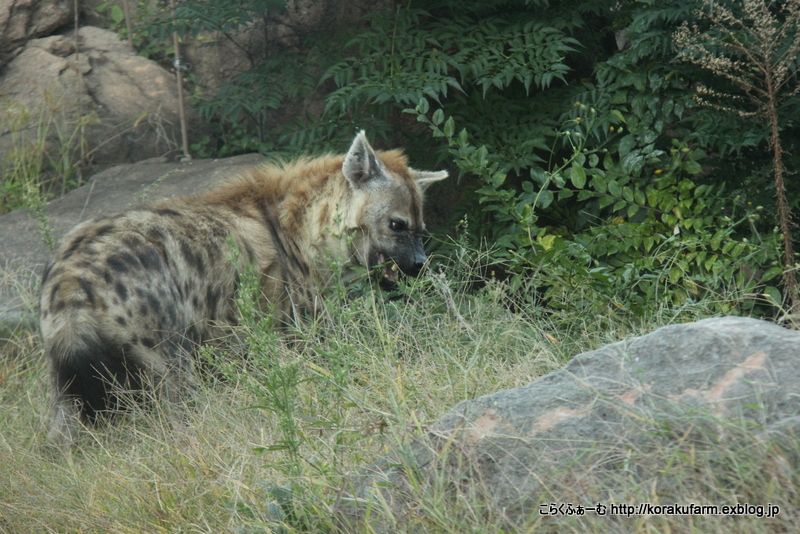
632, 156
591, 149
612, 178
585, 141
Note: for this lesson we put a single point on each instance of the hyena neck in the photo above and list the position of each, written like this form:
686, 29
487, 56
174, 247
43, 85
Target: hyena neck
325, 226
305, 208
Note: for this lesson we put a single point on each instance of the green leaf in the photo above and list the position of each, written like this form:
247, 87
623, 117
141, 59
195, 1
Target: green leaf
117, 15
692, 167
773, 295
652, 198
438, 117
463, 139
599, 184
605, 201
771, 273
701, 257
627, 193
698, 154
626, 144
675, 274
449, 127
726, 248
539, 176
608, 161
544, 199
614, 188
578, 176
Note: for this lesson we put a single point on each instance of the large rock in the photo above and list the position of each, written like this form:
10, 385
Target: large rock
683, 390
21, 20
22, 250
127, 104
216, 58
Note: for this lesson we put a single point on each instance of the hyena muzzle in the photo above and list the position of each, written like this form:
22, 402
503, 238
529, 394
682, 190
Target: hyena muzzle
127, 298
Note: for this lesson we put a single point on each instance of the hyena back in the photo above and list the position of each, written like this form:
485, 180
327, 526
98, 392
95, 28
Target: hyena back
127, 298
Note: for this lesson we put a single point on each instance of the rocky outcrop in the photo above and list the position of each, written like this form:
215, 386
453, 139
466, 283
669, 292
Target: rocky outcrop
23, 253
21, 20
93, 90
216, 58
689, 390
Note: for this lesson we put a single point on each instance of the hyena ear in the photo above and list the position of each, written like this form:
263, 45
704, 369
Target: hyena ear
361, 165
426, 178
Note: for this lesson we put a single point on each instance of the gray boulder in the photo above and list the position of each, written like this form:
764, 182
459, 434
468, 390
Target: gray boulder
611, 418
21, 20
22, 250
93, 90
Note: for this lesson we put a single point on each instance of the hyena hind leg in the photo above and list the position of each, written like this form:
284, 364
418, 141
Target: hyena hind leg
171, 380
94, 387
173, 370
65, 420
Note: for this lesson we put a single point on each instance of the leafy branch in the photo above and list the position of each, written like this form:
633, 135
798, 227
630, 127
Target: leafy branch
754, 48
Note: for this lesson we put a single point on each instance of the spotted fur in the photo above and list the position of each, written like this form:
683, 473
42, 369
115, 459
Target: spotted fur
126, 298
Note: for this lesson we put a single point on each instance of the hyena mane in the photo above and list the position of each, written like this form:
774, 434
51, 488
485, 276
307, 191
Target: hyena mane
126, 298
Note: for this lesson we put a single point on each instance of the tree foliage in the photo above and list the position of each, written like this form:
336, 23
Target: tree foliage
756, 51
583, 154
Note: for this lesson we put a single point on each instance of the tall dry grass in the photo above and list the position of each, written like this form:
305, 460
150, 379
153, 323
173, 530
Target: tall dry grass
277, 422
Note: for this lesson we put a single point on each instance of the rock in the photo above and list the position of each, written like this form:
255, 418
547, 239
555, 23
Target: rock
37, 81
216, 58
123, 106
21, 20
23, 253
90, 16
701, 386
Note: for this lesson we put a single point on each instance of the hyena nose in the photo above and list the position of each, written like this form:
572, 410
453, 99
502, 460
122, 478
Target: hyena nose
415, 266
419, 263
417, 259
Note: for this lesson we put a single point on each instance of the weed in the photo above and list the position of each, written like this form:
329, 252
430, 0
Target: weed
279, 420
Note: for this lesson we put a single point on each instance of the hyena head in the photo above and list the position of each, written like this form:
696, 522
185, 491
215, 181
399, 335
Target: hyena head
389, 220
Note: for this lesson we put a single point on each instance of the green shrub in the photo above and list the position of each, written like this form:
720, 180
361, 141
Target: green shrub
582, 153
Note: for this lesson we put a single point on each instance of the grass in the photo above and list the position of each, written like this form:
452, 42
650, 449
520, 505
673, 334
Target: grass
43, 154
268, 438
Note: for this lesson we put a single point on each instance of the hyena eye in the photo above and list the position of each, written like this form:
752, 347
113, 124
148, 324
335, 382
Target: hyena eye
398, 226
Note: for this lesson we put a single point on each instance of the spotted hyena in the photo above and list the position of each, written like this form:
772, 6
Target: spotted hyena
126, 298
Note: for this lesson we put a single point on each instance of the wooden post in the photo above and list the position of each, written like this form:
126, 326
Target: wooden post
128, 25
181, 107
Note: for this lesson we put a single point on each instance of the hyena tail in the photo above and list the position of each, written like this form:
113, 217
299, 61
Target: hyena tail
88, 374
